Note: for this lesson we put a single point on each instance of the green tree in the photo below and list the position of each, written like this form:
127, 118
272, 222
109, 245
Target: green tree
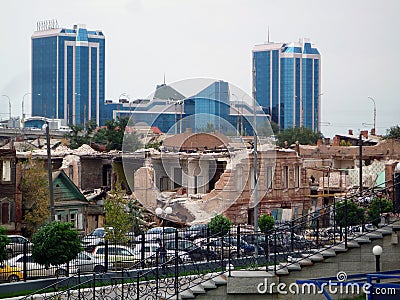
4, 241
117, 216
377, 207
55, 243
355, 214
219, 225
35, 194
304, 135
393, 133
81, 134
112, 135
136, 215
266, 222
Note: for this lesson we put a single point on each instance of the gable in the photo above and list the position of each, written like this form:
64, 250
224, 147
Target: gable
64, 189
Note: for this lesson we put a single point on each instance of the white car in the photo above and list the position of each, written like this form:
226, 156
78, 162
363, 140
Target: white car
95, 238
150, 250
37, 270
16, 245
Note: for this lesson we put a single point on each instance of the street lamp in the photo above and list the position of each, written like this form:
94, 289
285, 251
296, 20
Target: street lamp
9, 105
49, 172
23, 101
373, 100
377, 251
159, 212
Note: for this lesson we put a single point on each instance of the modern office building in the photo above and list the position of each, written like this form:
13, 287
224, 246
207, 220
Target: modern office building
67, 73
287, 83
171, 111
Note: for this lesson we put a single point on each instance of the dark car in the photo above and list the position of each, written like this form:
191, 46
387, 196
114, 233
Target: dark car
196, 231
195, 252
247, 248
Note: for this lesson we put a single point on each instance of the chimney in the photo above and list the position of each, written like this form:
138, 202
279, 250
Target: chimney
373, 131
336, 141
364, 133
319, 142
350, 131
189, 130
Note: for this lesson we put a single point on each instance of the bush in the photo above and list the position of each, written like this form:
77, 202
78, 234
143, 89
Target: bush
219, 225
266, 222
355, 214
55, 243
4, 240
378, 206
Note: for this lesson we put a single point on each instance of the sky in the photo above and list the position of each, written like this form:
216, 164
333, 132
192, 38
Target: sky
358, 40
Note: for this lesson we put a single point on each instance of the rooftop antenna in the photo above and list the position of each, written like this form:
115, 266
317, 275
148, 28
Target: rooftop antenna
164, 78
268, 34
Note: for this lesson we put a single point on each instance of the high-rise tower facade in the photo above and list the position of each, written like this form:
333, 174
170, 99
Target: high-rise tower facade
287, 83
67, 73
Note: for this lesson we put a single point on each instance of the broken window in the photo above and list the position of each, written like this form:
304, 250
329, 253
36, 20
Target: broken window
6, 170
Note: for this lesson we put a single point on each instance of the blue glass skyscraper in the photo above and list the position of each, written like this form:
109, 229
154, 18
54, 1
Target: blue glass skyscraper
287, 83
68, 73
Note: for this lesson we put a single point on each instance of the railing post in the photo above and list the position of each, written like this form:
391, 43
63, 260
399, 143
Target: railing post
79, 284
176, 266
25, 273
137, 285
345, 222
157, 270
222, 248
208, 243
94, 286
334, 219
229, 252
122, 283
292, 235
275, 248
266, 251
142, 254
317, 238
106, 255
238, 238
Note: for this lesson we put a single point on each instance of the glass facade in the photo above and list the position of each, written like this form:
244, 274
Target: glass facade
286, 83
68, 74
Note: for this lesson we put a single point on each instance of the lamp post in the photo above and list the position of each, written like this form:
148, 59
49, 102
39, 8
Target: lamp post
373, 100
377, 251
160, 212
49, 172
9, 105
23, 113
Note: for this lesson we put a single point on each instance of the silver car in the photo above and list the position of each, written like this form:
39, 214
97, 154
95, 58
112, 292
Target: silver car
16, 245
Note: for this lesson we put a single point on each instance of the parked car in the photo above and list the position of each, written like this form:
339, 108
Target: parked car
150, 250
35, 269
85, 263
16, 245
158, 233
196, 231
95, 238
10, 274
247, 249
216, 246
118, 256
192, 250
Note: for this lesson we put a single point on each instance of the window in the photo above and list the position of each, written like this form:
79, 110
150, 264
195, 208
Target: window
6, 170
73, 213
269, 177
5, 213
297, 176
285, 177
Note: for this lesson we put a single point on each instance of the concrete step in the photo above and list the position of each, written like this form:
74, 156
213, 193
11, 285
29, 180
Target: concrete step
220, 280
303, 262
395, 226
209, 284
328, 252
353, 244
362, 240
316, 257
291, 266
373, 235
385, 230
197, 289
187, 295
339, 248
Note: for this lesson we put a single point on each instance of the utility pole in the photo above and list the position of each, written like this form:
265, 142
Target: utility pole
360, 142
